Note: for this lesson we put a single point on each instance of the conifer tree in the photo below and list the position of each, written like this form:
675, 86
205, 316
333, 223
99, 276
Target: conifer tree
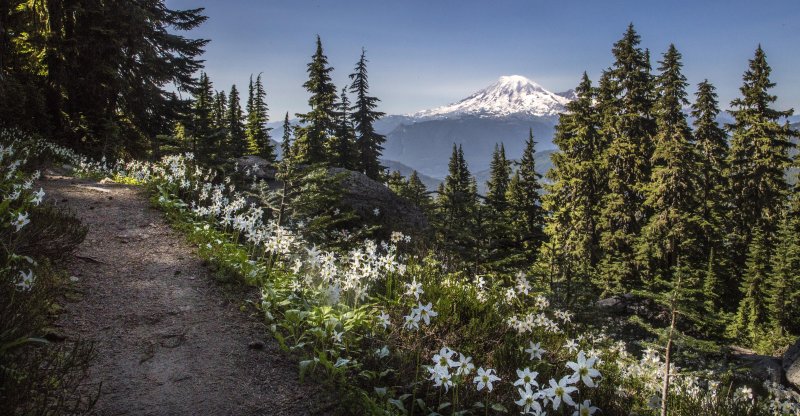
711, 147
573, 198
320, 122
524, 202
286, 142
340, 146
369, 144
202, 129
497, 231
629, 127
499, 176
258, 141
759, 157
456, 208
234, 120
751, 316
416, 192
220, 110
784, 291
674, 228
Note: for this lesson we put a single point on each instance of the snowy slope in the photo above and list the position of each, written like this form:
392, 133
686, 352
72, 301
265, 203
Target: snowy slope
510, 95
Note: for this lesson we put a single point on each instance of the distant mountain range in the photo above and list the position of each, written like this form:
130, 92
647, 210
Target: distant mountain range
502, 112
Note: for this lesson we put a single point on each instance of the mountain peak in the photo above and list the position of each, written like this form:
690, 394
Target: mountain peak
510, 95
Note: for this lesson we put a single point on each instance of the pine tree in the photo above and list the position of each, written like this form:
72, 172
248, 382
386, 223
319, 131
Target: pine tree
526, 215
220, 110
628, 126
258, 141
234, 120
416, 192
286, 142
320, 122
497, 232
202, 129
751, 316
784, 291
674, 229
456, 208
759, 157
499, 176
340, 147
369, 143
711, 147
577, 186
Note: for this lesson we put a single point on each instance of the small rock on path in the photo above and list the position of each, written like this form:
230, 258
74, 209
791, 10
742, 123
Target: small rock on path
166, 340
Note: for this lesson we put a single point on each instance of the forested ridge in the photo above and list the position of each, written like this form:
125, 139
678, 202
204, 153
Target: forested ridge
688, 228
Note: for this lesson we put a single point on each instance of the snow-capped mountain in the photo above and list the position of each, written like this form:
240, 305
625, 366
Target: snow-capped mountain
510, 95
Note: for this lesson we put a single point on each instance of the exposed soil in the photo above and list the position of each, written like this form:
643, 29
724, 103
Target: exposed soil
168, 340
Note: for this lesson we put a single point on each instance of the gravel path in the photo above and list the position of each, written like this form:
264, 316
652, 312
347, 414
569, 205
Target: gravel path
168, 342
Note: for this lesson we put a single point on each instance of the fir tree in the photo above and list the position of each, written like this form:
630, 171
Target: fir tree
257, 132
220, 110
712, 150
286, 142
320, 122
577, 187
369, 143
751, 316
673, 230
456, 208
497, 232
234, 120
340, 146
628, 126
759, 157
202, 129
416, 192
784, 289
524, 201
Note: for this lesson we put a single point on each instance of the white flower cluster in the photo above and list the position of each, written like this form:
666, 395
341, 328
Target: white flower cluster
450, 368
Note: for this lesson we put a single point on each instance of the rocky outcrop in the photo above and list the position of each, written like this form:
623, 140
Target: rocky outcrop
256, 166
761, 367
791, 364
616, 305
367, 197
372, 199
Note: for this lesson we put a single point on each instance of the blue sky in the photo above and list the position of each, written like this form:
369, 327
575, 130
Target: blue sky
429, 53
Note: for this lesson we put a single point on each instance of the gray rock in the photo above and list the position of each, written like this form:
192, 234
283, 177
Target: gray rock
257, 166
762, 367
365, 195
791, 364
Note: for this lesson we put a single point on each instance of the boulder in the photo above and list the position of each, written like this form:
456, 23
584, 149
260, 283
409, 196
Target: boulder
762, 367
258, 166
368, 197
616, 305
791, 364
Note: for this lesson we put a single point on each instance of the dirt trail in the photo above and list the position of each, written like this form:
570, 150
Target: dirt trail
167, 340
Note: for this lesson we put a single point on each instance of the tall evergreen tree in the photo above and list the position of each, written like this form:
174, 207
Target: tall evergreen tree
751, 316
234, 120
340, 146
416, 192
524, 202
456, 208
369, 143
784, 289
202, 129
497, 231
256, 129
759, 157
320, 122
577, 186
629, 126
220, 109
286, 142
712, 150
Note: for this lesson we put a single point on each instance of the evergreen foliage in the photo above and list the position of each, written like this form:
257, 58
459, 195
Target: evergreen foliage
456, 208
256, 129
234, 122
320, 122
526, 215
577, 187
369, 143
340, 146
629, 127
286, 142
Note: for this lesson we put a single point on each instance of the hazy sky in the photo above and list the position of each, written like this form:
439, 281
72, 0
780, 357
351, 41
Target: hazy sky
428, 53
